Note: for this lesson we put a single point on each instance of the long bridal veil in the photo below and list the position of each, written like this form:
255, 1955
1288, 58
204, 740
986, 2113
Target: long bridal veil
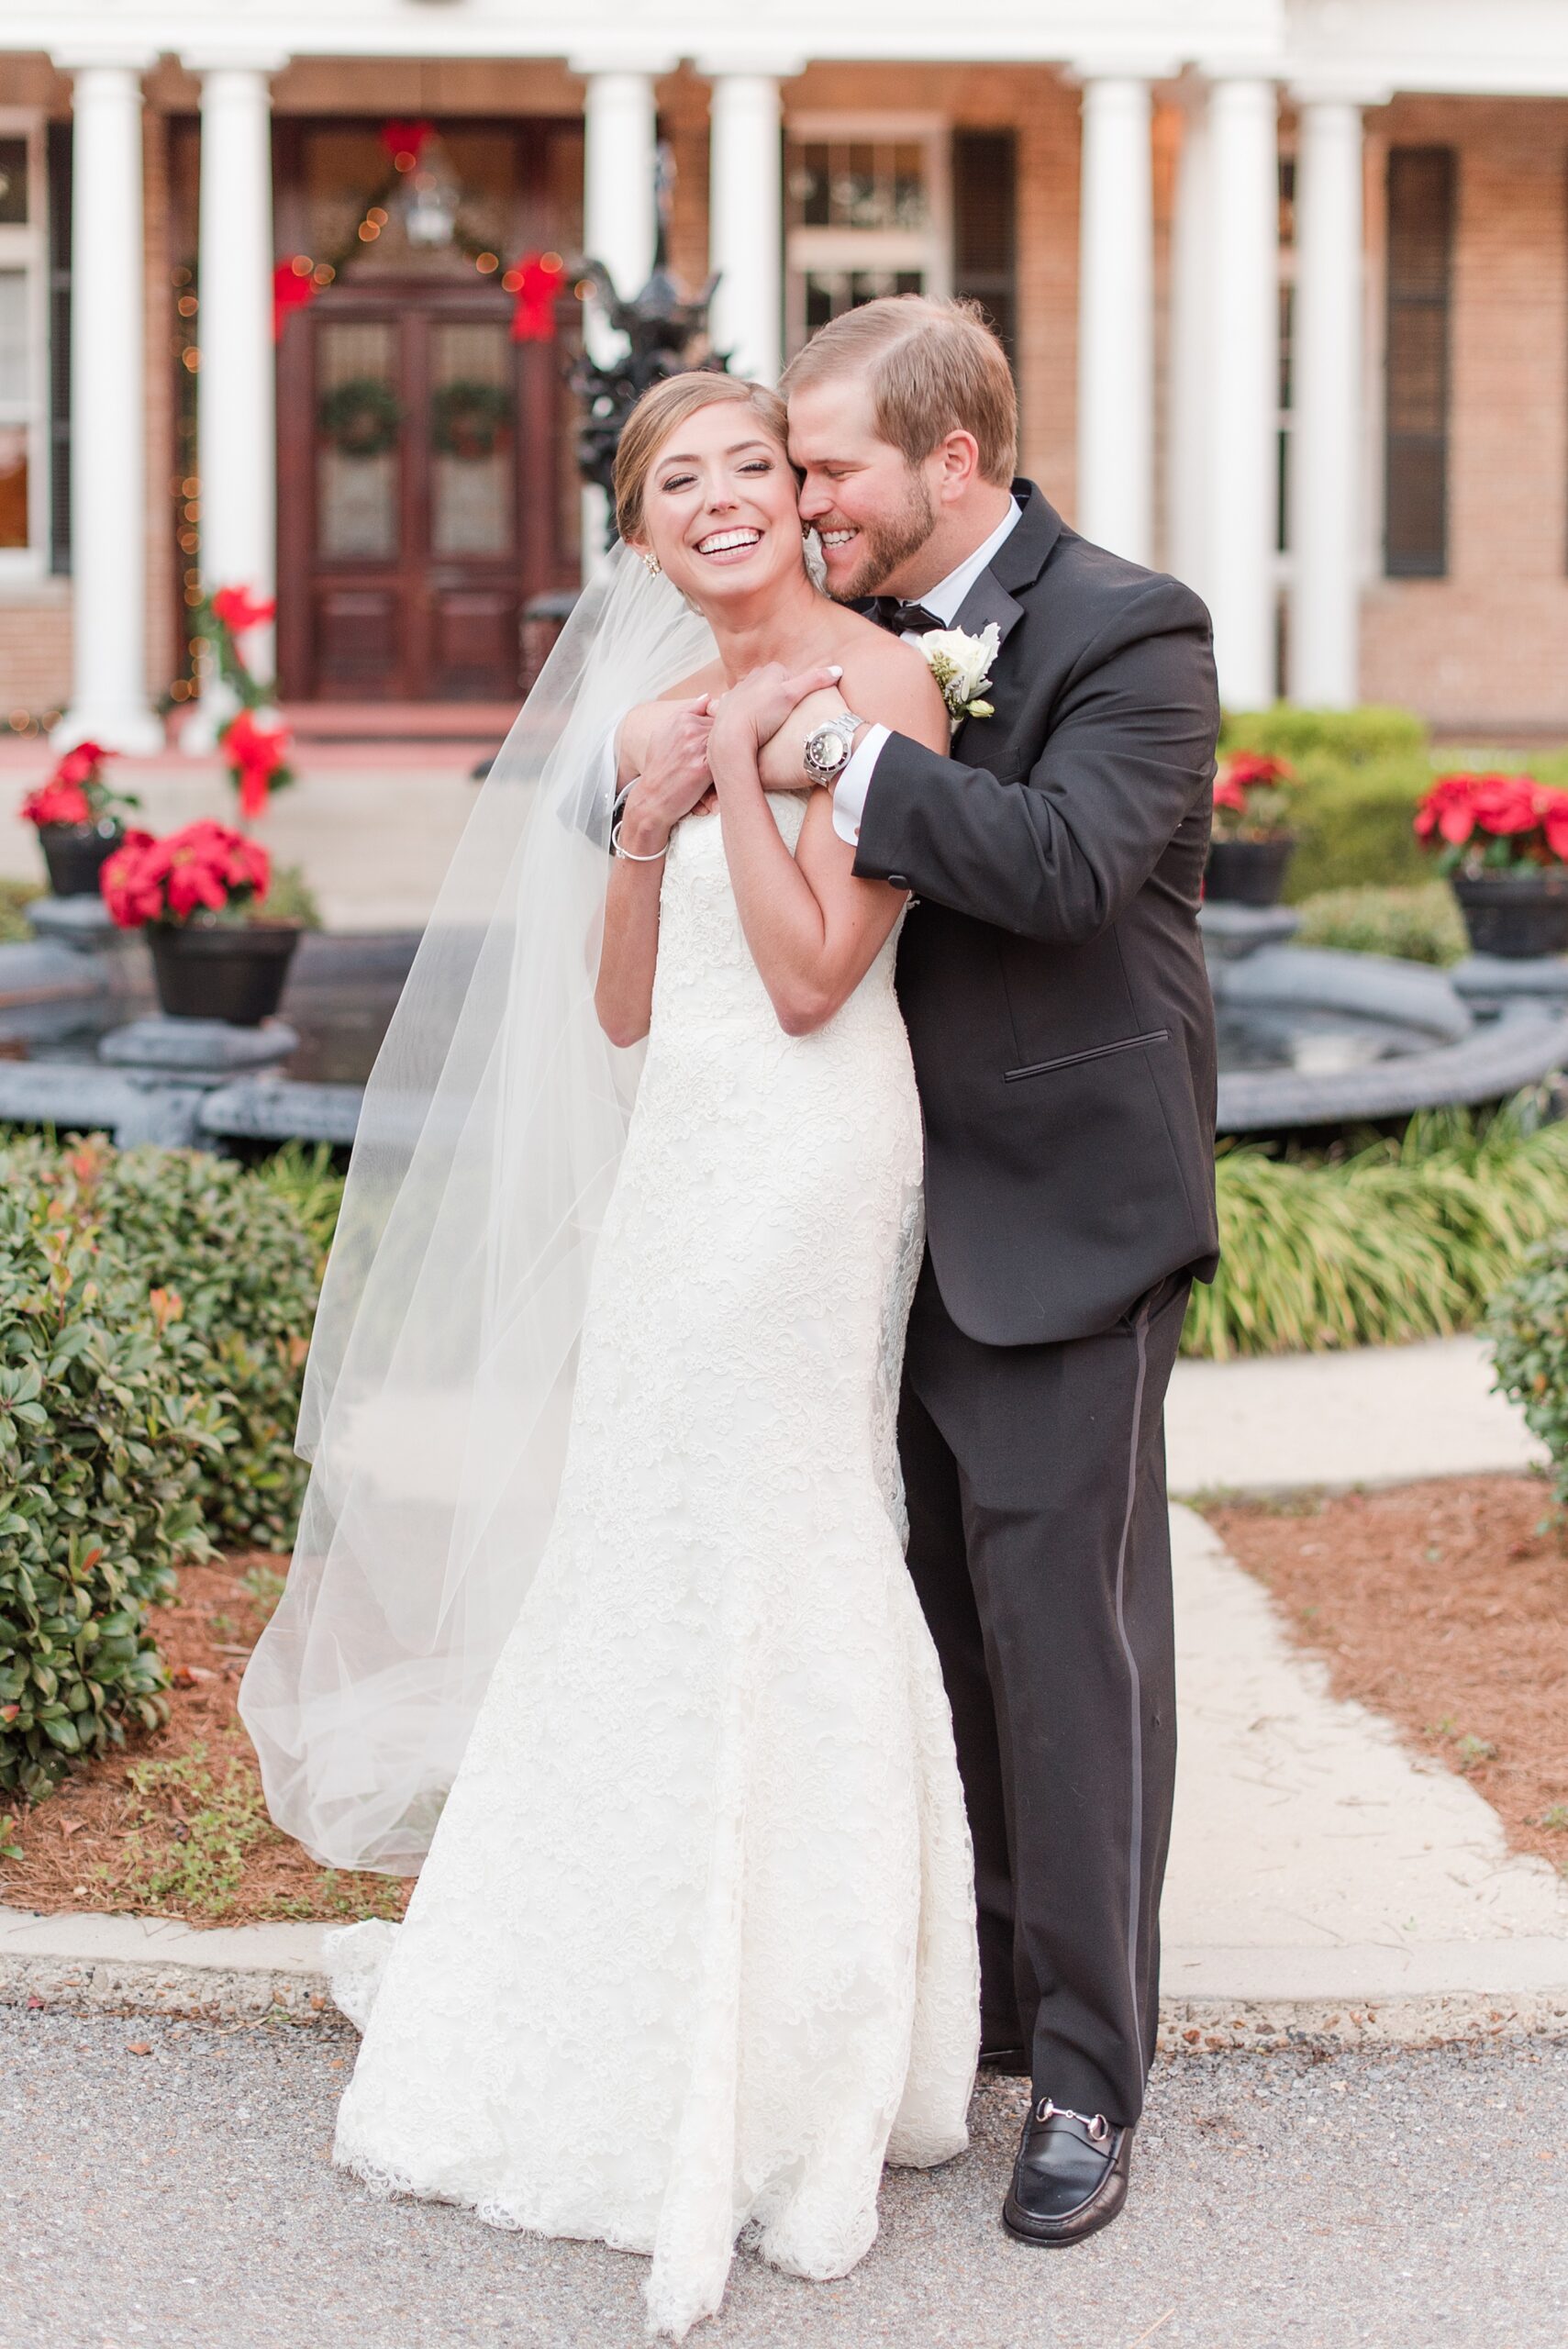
441, 1370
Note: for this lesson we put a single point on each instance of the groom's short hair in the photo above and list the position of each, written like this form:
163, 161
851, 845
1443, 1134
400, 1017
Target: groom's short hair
933, 367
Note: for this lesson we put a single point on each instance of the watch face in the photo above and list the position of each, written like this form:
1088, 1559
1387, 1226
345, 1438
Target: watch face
830, 750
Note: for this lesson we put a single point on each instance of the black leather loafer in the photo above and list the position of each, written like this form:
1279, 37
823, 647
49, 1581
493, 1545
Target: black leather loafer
1069, 2178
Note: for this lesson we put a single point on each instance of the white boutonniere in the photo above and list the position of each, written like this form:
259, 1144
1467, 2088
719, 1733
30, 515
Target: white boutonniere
960, 664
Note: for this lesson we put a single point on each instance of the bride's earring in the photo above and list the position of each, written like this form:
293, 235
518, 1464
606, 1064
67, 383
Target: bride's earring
651, 565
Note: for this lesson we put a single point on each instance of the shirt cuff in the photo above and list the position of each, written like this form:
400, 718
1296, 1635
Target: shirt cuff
850, 791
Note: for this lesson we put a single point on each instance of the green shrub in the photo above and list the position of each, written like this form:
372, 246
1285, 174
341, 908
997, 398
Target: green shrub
1528, 1325
307, 1177
1350, 738
290, 897
99, 1452
1422, 924
1401, 1240
240, 1269
1354, 826
16, 897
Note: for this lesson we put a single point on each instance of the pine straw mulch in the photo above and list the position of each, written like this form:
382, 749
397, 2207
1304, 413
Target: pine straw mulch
173, 1824
1443, 1606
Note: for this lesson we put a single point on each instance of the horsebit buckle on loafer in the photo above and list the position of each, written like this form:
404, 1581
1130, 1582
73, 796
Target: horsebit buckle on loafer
1096, 2125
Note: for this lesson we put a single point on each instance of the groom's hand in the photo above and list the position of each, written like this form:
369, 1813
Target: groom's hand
751, 712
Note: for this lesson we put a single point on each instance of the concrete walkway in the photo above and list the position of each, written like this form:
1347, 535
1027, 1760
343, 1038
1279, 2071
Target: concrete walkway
1375, 1416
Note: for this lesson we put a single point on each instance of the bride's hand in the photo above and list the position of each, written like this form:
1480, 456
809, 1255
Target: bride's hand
749, 712
671, 742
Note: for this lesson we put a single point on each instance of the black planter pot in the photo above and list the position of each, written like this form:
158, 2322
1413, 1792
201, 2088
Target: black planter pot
1517, 914
232, 971
75, 854
1248, 872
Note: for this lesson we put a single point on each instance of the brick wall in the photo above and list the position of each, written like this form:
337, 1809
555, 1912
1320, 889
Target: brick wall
1042, 110
1488, 645
35, 650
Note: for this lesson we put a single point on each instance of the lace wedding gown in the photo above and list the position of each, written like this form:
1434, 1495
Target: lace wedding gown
693, 1948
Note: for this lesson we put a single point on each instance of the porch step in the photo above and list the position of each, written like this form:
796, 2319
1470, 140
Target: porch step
482, 722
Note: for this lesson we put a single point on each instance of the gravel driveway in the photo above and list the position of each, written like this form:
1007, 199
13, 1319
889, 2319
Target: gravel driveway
182, 2197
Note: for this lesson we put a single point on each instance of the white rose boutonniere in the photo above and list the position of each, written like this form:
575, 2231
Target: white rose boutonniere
960, 664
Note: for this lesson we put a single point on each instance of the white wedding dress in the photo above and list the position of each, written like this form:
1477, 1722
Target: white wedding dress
693, 1948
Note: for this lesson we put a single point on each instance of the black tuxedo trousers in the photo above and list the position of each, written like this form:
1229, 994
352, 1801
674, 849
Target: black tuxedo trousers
1039, 1546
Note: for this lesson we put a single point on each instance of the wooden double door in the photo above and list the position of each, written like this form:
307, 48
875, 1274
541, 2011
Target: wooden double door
426, 492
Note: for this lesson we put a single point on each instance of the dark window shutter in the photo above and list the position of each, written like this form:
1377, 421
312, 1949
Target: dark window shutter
1421, 189
60, 347
984, 226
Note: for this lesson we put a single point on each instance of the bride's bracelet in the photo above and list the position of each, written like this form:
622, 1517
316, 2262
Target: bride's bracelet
630, 853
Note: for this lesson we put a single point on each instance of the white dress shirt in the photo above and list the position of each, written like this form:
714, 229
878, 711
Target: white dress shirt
944, 602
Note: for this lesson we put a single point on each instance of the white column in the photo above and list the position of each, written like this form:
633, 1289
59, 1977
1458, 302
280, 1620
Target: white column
1192, 362
1244, 459
1325, 435
236, 417
745, 210
108, 420
620, 225
619, 213
1116, 320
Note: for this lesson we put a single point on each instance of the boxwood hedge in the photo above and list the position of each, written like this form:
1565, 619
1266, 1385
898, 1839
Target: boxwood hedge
101, 1444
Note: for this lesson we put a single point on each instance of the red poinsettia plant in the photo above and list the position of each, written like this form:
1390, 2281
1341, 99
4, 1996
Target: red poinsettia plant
255, 742
1493, 823
258, 761
77, 791
1253, 798
204, 873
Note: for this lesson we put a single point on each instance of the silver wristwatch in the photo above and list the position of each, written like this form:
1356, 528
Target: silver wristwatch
828, 748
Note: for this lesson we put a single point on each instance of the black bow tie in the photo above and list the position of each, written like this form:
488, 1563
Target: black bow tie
904, 619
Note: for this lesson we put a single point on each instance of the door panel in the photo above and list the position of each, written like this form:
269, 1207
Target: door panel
357, 639
473, 640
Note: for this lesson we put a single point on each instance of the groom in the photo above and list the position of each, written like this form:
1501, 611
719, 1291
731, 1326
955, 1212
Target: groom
1051, 979
1053, 982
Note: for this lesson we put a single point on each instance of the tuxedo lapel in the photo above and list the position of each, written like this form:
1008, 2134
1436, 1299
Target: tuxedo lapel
1016, 563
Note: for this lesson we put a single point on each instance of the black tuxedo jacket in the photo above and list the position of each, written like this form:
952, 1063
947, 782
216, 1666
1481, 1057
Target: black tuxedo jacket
1052, 974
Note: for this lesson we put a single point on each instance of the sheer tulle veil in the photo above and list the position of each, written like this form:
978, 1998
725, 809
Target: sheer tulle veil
441, 1370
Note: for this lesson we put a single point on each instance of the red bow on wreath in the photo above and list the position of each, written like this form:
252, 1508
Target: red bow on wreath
535, 283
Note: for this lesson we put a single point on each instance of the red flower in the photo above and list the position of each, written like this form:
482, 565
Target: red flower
1531, 817
81, 764
204, 867
257, 757
1554, 820
1228, 793
238, 609
57, 801
1247, 769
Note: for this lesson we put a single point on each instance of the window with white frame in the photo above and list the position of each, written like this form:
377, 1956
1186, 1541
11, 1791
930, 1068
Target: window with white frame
869, 213
24, 413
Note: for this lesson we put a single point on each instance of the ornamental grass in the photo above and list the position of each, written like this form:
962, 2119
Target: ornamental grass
1395, 1242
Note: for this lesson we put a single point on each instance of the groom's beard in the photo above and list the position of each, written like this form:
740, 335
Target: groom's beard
887, 542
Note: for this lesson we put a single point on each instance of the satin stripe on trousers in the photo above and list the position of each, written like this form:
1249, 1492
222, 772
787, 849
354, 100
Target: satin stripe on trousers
1039, 1546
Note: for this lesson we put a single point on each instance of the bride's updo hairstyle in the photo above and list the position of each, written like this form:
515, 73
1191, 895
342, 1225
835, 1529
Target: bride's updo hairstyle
662, 411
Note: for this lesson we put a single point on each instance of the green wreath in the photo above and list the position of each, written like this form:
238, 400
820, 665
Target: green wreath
360, 417
468, 419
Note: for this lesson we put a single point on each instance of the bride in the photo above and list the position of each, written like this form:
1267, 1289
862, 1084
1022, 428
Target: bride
599, 1598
